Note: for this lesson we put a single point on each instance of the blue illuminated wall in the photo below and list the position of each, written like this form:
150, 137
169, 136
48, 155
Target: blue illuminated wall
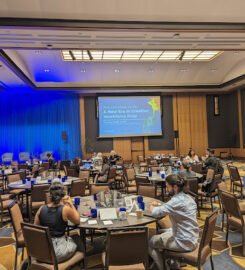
34, 122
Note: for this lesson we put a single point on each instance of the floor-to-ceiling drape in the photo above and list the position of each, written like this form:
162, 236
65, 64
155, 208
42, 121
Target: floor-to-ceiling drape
35, 122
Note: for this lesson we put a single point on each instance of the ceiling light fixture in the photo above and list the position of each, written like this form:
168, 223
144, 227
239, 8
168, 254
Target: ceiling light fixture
138, 56
46, 70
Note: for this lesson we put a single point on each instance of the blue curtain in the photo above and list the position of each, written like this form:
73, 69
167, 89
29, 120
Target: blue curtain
34, 122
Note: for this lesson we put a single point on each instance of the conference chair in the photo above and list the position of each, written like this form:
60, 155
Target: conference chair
13, 178
126, 248
41, 256
38, 196
191, 188
16, 220
197, 168
96, 188
234, 219
147, 190
24, 156
142, 164
5, 200
236, 181
203, 251
7, 157
43, 155
78, 188
213, 192
129, 178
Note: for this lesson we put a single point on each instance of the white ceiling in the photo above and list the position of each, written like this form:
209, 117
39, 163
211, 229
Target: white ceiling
126, 10
36, 49
47, 69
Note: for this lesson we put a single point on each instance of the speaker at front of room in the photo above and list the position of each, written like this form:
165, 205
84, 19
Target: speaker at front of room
64, 136
176, 134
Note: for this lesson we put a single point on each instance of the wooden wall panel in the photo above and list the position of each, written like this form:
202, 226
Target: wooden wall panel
123, 147
198, 121
184, 126
137, 147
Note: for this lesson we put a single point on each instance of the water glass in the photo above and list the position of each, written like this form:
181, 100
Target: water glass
150, 173
142, 205
32, 182
95, 197
163, 175
23, 181
63, 179
158, 171
49, 181
140, 199
77, 201
93, 212
59, 176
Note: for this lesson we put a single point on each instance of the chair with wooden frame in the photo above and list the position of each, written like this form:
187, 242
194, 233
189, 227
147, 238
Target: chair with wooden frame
126, 248
42, 256
203, 251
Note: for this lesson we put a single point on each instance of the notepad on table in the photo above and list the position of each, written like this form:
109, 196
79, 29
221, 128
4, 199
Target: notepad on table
92, 222
108, 213
107, 222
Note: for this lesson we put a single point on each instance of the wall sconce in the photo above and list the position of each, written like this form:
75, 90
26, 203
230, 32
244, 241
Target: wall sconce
216, 106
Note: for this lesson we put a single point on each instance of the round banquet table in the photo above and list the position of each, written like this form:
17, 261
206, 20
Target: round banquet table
28, 187
86, 203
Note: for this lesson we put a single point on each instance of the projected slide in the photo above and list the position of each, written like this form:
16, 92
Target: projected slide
129, 116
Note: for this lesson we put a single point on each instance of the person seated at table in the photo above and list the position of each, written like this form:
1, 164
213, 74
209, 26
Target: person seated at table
113, 158
102, 176
98, 160
56, 215
211, 161
77, 161
185, 170
51, 161
192, 157
182, 209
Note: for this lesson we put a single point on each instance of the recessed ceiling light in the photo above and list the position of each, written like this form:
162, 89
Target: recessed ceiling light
151, 70
83, 70
117, 70
46, 70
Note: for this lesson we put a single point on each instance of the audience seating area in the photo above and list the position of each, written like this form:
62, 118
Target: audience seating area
219, 210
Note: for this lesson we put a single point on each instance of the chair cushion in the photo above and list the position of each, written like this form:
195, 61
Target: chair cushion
78, 256
191, 257
237, 183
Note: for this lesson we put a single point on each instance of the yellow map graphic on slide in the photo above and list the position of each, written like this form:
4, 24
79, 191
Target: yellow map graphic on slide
150, 120
155, 107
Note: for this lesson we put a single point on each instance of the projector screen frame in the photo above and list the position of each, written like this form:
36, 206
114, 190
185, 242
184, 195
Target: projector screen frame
124, 96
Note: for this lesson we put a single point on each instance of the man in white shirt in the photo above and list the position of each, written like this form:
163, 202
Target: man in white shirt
183, 236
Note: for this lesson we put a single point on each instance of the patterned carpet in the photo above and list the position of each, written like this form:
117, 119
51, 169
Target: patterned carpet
222, 255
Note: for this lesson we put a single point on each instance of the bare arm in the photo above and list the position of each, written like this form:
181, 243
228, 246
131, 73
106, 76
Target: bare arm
70, 213
37, 220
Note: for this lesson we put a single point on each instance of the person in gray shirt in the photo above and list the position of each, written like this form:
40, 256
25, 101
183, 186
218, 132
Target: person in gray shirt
186, 172
182, 209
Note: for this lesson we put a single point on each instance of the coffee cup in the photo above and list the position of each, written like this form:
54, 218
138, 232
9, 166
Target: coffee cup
139, 213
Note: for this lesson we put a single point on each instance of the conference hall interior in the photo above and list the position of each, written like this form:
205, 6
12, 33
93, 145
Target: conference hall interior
122, 135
